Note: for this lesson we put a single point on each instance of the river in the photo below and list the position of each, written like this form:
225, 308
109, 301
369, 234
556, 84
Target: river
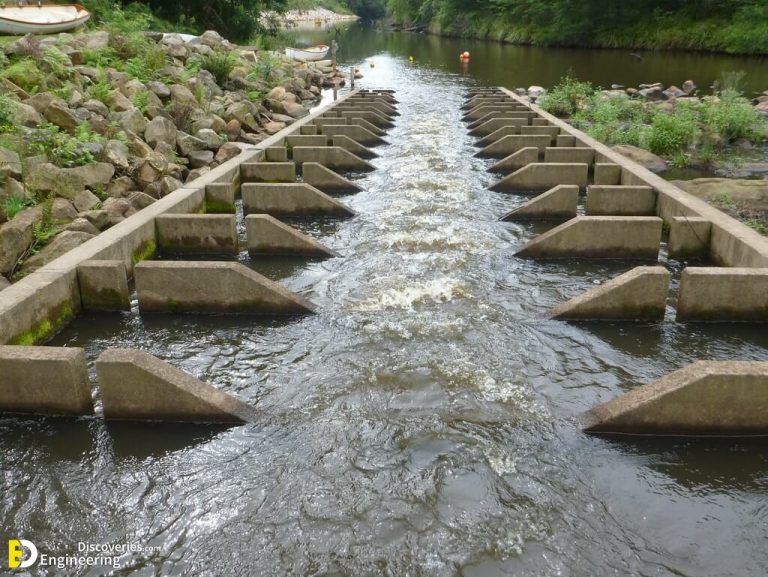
423, 422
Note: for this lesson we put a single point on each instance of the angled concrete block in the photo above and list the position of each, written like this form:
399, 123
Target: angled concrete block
212, 287
294, 140
689, 237
582, 155
353, 131
606, 200
276, 154
543, 176
564, 140
220, 198
540, 122
44, 381
723, 294
357, 121
478, 100
268, 172
527, 115
333, 157
516, 160
269, 236
637, 295
558, 203
103, 285
547, 129
705, 398
511, 144
366, 107
481, 111
296, 199
607, 174
197, 233
326, 120
308, 129
137, 386
628, 237
497, 135
377, 104
326, 180
353, 146
494, 124
374, 118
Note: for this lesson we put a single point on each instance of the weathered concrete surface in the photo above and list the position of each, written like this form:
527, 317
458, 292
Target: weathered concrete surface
558, 203
637, 295
303, 140
620, 201
528, 115
540, 122
494, 124
372, 128
308, 129
269, 236
580, 154
564, 140
366, 107
374, 118
268, 172
197, 233
481, 111
723, 294
547, 129
353, 131
607, 174
330, 120
103, 285
689, 237
297, 199
137, 386
629, 237
704, 398
44, 381
333, 157
511, 144
543, 176
353, 146
220, 197
497, 135
516, 160
325, 179
276, 154
212, 287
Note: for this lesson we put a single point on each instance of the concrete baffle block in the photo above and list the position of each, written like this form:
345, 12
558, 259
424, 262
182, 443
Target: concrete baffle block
558, 203
607, 200
480, 111
212, 287
565, 140
137, 386
299, 199
538, 128
719, 398
607, 174
308, 129
276, 154
528, 115
495, 124
370, 127
627, 237
220, 198
326, 120
197, 233
516, 160
510, 144
540, 122
325, 179
353, 131
637, 295
333, 157
580, 154
497, 135
269, 236
543, 176
689, 237
353, 146
382, 122
268, 172
103, 285
306, 140
723, 294
44, 381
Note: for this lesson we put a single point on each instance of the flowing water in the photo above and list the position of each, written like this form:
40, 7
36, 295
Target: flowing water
422, 424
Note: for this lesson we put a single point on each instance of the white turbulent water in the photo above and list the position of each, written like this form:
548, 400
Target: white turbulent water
421, 424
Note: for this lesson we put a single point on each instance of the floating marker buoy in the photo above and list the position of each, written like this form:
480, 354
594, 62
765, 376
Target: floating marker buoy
373, 65
410, 58
464, 55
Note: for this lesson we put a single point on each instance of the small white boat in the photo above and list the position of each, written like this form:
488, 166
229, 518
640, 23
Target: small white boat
308, 54
41, 18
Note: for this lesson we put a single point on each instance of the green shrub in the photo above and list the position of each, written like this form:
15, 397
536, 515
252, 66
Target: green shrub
25, 74
145, 66
13, 205
102, 58
140, 100
101, 89
567, 96
672, 132
220, 64
7, 123
61, 148
732, 117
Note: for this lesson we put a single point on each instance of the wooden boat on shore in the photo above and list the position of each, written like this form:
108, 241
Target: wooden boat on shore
308, 54
41, 18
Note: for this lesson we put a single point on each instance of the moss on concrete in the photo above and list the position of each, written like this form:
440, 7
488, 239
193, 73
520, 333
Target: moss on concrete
218, 207
146, 250
47, 327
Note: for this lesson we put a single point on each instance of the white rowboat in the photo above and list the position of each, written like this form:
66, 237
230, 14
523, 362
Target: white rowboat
42, 19
308, 54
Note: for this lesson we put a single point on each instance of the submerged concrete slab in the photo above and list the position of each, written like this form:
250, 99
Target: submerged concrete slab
269, 236
607, 174
558, 203
44, 381
212, 287
579, 154
511, 144
494, 124
637, 295
620, 200
637, 237
689, 237
268, 172
543, 176
326, 180
704, 398
516, 160
723, 294
220, 198
137, 386
197, 233
296, 199
333, 157
103, 285
353, 146
355, 132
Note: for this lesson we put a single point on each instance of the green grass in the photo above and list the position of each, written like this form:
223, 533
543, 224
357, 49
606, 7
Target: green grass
13, 205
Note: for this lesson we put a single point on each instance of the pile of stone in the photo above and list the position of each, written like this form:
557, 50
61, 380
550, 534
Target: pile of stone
185, 127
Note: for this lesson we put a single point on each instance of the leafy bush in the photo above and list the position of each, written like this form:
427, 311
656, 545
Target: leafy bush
13, 205
672, 132
732, 117
6, 114
567, 96
102, 58
145, 67
220, 64
61, 148
101, 89
25, 74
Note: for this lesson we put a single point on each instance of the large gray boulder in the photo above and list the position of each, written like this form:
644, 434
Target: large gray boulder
60, 245
740, 191
16, 237
160, 129
59, 114
643, 157
10, 164
93, 175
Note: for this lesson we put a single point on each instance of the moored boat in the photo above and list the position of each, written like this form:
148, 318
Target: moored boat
308, 54
41, 18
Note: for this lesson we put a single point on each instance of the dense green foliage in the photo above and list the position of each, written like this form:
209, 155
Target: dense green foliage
738, 26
